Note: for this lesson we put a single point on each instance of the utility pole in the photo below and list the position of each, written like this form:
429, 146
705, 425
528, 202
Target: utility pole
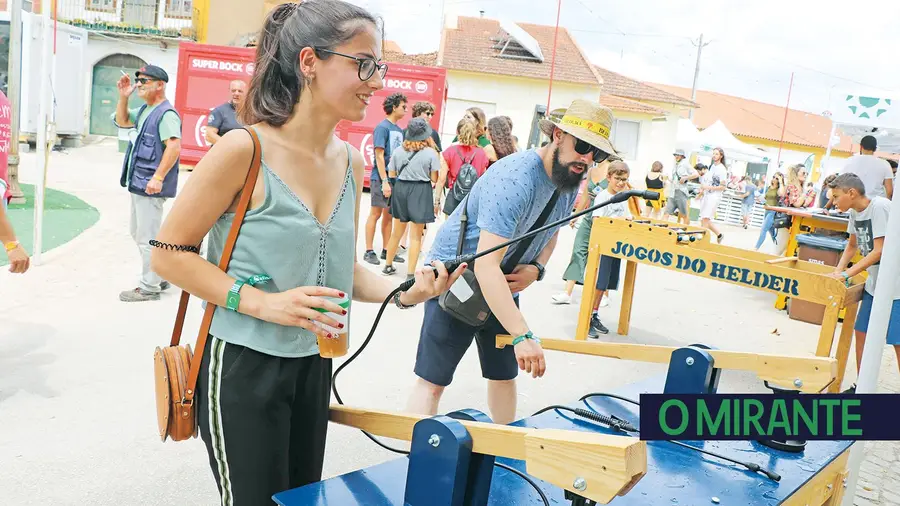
700, 47
15, 97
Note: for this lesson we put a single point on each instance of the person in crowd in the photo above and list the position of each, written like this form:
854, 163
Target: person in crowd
477, 115
867, 228
712, 186
19, 261
223, 119
425, 110
796, 193
574, 273
610, 267
826, 197
773, 196
499, 133
150, 168
874, 172
415, 167
465, 151
263, 390
505, 203
681, 176
655, 181
747, 194
387, 137
893, 164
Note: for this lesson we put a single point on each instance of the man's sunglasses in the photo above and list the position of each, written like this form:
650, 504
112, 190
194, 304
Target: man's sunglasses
367, 66
584, 148
145, 80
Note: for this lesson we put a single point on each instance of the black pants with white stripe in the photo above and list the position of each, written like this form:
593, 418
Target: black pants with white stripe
263, 419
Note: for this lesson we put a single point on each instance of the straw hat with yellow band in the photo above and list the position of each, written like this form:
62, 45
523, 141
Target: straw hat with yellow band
587, 121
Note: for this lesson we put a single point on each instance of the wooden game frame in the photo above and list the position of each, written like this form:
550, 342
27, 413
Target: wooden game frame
668, 246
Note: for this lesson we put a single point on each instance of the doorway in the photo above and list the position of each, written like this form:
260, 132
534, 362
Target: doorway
105, 95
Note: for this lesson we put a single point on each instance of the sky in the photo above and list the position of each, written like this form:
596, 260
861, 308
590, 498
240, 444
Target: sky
753, 46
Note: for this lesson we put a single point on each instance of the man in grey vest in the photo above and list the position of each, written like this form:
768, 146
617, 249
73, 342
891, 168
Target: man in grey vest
150, 168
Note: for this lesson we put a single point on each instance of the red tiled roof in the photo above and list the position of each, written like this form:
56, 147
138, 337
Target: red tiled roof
425, 59
758, 119
622, 86
469, 47
623, 104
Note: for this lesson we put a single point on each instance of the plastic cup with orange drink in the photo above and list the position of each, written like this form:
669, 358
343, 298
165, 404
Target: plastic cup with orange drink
339, 345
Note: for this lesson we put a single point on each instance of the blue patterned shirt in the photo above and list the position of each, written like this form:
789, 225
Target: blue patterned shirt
506, 201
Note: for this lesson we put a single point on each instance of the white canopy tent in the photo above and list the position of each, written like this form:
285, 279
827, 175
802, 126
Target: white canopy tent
857, 116
688, 136
717, 135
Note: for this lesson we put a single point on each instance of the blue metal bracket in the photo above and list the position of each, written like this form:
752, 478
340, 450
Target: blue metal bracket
481, 467
692, 371
439, 461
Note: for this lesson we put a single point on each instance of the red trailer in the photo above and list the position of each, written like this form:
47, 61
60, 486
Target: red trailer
205, 71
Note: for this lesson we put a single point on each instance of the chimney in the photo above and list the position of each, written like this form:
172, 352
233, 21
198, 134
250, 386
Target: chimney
482, 13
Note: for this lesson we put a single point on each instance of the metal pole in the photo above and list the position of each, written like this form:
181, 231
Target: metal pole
784, 123
700, 47
42, 126
15, 98
876, 334
553, 58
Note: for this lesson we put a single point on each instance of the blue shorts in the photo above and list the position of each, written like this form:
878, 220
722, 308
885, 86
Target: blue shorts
444, 340
865, 311
746, 208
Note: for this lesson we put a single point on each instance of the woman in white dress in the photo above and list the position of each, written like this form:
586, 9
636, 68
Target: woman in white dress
712, 184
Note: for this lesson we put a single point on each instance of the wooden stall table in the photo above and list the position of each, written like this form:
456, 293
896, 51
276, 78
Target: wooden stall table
691, 251
809, 219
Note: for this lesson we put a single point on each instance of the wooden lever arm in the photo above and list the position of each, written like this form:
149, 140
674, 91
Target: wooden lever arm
610, 465
814, 373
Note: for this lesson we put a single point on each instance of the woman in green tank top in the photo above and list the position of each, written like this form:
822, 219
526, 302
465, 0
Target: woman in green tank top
263, 390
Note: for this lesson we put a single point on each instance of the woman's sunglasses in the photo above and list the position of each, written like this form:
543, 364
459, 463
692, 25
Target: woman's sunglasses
584, 148
366, 66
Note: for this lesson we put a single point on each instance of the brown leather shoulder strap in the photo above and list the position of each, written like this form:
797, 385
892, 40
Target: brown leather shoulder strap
243, 205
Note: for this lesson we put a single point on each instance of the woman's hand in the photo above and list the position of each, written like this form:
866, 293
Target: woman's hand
427, 286
299, 308
386, 188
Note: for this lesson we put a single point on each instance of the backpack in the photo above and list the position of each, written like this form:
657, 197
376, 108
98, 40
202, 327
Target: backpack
465, 180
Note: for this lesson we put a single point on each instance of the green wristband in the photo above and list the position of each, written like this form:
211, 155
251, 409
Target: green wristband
258, 279
233, 299
527, 335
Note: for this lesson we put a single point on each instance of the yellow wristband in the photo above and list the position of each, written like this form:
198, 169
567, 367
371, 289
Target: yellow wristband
156, 177
9, 246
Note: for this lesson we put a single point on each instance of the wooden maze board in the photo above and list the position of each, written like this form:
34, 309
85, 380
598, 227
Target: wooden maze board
666, 245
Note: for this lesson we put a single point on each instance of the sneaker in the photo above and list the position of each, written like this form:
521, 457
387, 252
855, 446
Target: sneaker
164, 286
401, 251
410, 276
720, 238
389, 270
851, 390
397, 259
371, 258
137, 295
597, 327
561, 298
604, 302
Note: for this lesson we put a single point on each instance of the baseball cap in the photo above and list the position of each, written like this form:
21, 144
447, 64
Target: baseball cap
154, 72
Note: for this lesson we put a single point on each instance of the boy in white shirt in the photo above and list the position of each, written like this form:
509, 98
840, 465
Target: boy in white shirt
608, 274
867, 228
